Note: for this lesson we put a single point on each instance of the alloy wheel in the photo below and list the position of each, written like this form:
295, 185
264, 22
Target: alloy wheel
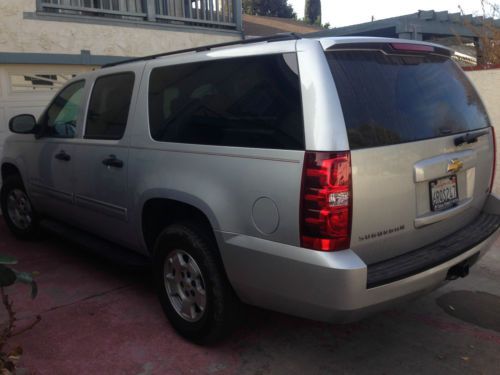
19, 209
185, 285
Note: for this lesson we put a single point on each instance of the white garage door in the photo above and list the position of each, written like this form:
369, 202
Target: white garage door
29, 88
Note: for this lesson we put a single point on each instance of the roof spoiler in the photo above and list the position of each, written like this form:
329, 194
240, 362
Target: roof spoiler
394, 47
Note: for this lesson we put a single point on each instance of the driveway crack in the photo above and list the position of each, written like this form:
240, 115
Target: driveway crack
92, 296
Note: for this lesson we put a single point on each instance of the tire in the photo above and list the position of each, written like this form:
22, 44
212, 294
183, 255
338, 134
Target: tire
17, 209
202, 306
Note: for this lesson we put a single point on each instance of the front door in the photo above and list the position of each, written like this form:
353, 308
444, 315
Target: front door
52, 156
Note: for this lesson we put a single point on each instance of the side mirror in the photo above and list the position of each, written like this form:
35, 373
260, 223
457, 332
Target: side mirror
22, 124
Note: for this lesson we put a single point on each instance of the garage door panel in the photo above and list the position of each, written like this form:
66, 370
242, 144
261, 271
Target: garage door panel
34, 110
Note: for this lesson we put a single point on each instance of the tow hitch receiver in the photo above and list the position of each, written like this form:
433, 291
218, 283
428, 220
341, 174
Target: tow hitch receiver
462, 269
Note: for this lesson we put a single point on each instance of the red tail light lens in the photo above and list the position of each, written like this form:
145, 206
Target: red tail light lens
326, 201
492, 182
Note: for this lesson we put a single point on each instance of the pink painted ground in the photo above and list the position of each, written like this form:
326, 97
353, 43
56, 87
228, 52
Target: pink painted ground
98, 319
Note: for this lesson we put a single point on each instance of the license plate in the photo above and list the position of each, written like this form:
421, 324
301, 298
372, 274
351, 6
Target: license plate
444, 193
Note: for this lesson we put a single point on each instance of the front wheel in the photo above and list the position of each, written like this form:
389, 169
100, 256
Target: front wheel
192, 286
17, 209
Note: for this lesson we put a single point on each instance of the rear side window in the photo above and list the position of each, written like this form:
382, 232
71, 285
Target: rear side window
109, 106
390, 99
245, 102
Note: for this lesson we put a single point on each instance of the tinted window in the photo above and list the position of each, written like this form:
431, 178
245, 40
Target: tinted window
389, 99
246, 102
109, 106
60, 119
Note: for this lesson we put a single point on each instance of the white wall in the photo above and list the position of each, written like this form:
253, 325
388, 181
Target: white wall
487, 83
18, 34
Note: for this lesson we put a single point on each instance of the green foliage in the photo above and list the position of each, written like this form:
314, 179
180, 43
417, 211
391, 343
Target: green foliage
9, 276
271, 8
312, 13
6, 259
27, 278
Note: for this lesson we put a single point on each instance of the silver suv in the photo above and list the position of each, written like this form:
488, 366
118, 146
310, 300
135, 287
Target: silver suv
325, 178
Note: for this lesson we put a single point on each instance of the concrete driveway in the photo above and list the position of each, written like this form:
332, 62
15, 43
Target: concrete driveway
98, 319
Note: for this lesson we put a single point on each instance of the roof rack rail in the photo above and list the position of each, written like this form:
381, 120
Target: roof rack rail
271, 38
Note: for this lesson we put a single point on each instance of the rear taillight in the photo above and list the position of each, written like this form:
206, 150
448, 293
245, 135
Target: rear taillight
494, 159
410, 47
326, 201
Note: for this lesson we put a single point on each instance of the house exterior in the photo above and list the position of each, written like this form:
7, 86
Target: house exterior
454, 30
43, 43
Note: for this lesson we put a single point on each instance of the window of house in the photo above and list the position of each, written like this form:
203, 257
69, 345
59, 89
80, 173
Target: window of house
109, 106
60, 118
31, 82
245, 102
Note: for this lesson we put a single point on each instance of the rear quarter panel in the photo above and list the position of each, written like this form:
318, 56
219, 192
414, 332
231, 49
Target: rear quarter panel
224, 184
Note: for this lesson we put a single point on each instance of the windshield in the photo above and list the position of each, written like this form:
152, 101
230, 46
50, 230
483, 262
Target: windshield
390, 99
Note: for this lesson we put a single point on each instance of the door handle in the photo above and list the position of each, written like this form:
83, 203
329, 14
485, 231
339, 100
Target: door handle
62, 155
113, 161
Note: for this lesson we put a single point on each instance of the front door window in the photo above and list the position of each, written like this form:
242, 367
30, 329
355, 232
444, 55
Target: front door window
59, 121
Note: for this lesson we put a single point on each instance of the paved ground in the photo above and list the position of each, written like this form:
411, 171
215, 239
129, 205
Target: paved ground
97, 319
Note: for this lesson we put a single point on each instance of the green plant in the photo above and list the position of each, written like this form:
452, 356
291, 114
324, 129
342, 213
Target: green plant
271, 8
313, 12
9, 276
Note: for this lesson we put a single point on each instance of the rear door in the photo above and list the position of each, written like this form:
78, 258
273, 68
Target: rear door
101, 158
420, 141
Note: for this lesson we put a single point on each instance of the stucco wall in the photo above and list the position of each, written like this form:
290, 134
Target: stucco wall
21, 34
487, 83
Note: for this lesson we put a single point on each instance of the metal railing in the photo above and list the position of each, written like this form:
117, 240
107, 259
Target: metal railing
220, 14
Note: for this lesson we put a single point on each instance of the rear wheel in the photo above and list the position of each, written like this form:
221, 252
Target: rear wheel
17, 209
192, 286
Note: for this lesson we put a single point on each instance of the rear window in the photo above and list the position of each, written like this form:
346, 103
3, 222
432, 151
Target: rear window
390, 99
245, 102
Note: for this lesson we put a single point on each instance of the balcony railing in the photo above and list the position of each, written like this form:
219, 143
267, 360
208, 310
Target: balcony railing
219, 14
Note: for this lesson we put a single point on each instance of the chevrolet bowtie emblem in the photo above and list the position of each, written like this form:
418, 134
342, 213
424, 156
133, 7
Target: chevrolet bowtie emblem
454, 165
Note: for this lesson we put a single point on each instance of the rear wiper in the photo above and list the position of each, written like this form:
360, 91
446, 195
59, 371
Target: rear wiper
469, 137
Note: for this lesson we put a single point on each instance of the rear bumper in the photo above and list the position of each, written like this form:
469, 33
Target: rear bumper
329, 287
